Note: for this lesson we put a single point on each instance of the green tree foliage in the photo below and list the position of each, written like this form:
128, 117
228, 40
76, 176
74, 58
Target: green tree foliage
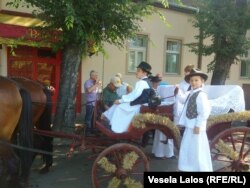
224, 23
83, 26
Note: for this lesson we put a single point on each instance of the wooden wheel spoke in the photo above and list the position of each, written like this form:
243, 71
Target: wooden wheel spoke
231, 149
246, 154
104, 174
217, 155
224, 168
232, 141
137, 165
137, 174
224, 160
117, 157
105, 177
242, 145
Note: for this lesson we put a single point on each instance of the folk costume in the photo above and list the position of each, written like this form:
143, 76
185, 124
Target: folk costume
178, 106
121, 115
166, 150
160, 149
194, 152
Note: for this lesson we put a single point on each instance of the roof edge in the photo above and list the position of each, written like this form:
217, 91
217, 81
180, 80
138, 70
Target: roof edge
179, 8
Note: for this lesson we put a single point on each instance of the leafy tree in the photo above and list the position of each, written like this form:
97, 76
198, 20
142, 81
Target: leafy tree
84, 25
225, 23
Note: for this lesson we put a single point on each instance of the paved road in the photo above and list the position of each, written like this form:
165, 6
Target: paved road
76, 171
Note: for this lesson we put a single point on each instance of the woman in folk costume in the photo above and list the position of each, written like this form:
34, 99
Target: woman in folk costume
166, 149
184, 86
122, 112
160, 148
194, 152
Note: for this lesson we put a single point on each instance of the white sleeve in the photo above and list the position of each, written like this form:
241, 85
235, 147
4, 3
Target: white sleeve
181, 96
203, 108
136, 92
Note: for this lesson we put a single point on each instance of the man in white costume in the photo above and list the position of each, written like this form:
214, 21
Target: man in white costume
194, 152
121, 113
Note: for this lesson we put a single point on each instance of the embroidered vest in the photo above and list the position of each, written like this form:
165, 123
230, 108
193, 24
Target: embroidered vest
191, 112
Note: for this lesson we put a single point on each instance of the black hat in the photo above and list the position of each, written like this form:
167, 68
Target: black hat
196, 72
155, 79
145, 67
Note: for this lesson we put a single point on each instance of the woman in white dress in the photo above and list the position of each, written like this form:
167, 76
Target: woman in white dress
184, 86
194, 152
161, 149
121, 113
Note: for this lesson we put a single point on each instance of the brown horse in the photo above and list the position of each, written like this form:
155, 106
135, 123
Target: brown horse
15, 116
24, 105
41, 116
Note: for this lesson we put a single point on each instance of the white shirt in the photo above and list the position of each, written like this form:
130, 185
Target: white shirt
122, 90
203, 110
120, 116
184, 86
137, 91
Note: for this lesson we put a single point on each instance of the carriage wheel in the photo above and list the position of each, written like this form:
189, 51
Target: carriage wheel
230, 150
120, 165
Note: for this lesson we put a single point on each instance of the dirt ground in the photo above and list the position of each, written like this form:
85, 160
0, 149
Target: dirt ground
76, 171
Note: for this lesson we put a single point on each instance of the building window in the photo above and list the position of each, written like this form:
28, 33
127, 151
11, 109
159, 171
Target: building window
245, 69
137, 51
173, 56
245, 65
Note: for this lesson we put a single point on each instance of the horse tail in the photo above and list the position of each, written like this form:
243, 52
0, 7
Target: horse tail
44, 123
25, 135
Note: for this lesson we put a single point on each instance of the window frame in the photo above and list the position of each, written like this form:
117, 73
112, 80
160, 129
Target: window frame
137, 50
177, 53
245, 58
247, 68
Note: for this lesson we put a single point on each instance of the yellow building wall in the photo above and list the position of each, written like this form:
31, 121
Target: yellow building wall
116, 59
180, 28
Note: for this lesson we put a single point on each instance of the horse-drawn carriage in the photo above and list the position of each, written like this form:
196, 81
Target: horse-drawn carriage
121, 161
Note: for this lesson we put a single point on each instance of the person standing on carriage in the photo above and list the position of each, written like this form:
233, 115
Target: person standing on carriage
184, 86
194, 152
122, 112
155, 81
91, 88
161, 148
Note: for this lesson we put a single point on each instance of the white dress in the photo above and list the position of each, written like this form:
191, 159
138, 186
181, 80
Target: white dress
160, 149
178, 106
121, 115
194, 152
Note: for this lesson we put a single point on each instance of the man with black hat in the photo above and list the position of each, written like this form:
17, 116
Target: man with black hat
194, 152
122, 112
